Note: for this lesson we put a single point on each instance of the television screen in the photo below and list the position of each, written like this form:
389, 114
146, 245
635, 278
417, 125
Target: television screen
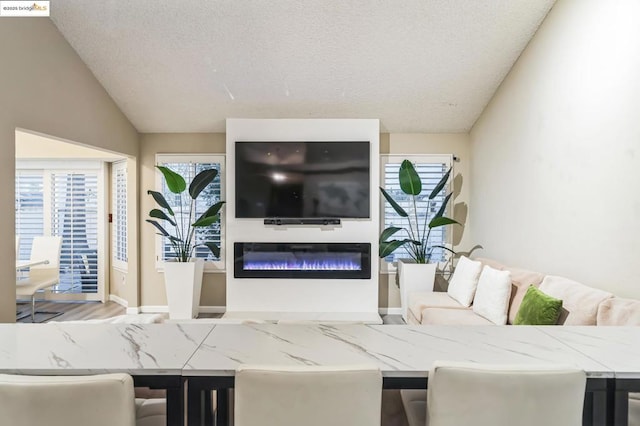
302, 179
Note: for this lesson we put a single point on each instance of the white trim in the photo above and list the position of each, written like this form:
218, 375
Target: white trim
425, 158
71, 142
121, 265
213, 309
209, 267
390, 311
125, 304
64, 165
162, 309
154, 309
103, 231
119, 300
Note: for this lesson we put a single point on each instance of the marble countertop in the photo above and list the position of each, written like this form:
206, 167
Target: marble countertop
194, 349
616, 347
398, 350
137, 349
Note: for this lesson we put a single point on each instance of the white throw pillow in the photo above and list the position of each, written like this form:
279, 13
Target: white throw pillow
462, 285
492, 295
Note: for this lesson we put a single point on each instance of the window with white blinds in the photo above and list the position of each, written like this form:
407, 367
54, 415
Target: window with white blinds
74, 216
119, 209
29, 209
189, 166
64, 203
430, 168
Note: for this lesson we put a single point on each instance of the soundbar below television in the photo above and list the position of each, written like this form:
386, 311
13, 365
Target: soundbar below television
302, 179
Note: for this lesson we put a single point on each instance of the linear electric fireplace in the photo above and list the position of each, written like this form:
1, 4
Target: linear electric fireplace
302, 260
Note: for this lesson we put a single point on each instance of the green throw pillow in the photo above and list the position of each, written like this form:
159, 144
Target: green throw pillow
538, 308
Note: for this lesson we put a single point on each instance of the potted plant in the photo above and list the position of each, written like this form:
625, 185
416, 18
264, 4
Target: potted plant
416, 273
183, 272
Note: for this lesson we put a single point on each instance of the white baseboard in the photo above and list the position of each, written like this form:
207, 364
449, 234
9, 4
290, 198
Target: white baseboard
119, 300
122, 302
154, 309
390, 311
163, 309
213, 309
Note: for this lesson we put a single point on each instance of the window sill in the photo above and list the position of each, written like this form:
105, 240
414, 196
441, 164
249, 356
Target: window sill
207, 270
121, 269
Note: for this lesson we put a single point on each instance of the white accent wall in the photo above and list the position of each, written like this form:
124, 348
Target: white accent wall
293, 295
556, 154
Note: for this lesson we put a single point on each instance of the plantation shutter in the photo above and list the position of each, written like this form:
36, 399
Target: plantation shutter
430, 169
119, 228
29, 209
189, 168
74, 216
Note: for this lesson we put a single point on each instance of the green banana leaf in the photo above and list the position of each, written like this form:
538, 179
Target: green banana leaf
396, 206
443, 207
211, 211
214, 248
441, 221
205, 221
440, 185
159, 227
201, 181
410, 182
162, 202
159, 214
175, 182
388, 247
388, 232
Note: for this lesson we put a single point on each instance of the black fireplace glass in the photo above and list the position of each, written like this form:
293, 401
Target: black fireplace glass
302, 260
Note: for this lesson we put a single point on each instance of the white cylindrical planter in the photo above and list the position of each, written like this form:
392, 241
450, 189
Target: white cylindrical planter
414, 277
183, 283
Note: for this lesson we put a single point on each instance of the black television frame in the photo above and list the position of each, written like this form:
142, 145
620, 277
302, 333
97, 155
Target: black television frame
324, 220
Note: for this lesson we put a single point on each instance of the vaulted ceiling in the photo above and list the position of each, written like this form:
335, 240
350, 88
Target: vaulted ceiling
186, 65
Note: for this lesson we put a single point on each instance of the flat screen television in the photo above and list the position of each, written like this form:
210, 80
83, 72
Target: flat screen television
302, 179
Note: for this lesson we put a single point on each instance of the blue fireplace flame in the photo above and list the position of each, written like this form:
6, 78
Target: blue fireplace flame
302, 260
346, 264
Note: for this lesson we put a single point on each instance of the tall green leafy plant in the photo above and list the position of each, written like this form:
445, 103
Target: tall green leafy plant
418, 228
182, 237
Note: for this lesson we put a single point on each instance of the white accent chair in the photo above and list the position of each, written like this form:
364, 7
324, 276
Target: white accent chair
101, 400
44, 275
307, 395
497, 395
151, 412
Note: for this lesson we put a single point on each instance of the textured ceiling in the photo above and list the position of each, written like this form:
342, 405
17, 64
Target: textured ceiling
187, 65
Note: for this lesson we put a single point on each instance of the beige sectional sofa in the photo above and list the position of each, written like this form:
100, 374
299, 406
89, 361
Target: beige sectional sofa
582, 305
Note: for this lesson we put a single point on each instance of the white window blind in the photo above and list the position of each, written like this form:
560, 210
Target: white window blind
189, 166
74, 216
65, 203
119, 224
430, 168
29, 209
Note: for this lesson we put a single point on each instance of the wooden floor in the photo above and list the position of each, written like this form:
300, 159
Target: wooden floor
71, 311
77, 311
